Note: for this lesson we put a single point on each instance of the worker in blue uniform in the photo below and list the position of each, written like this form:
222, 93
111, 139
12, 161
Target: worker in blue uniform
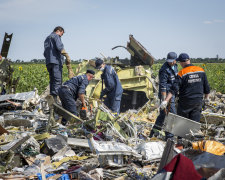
53, 53
193, 87
72, 89
167, 76
113, 89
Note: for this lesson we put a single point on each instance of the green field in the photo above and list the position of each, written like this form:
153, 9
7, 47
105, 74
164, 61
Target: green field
215, 74
36, 75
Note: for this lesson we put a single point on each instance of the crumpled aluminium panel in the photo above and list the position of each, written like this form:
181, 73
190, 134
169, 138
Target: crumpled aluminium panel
181, 126
151, 150
111, 148
18, 96
112, 153
24, 118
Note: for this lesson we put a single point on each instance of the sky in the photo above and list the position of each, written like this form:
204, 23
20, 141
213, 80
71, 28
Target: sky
93, 27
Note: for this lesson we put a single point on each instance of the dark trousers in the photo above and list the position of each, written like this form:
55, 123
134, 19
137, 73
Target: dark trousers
55, 76
113, 104
190, 110
68, 101
160, 119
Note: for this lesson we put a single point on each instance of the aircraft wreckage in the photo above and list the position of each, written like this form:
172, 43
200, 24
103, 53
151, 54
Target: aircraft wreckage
34, 144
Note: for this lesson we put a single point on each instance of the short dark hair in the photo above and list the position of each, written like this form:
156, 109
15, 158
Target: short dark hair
59, 28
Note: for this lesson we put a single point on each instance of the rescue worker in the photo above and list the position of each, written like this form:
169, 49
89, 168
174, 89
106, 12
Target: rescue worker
167, 76
113, 89
193, 86
53, 53
72, 89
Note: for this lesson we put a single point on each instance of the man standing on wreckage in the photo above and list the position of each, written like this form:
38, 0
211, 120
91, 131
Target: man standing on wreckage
193, 86
72, 89
113, 89
53, 53
167, 75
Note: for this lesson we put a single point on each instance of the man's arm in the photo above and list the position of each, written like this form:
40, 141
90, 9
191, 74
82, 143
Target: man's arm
163, 78
68, 63
59, 44
168, 97
81, 91
206, 86
82, 99
206, 89
163, 96
174, 90
206, 96
164, 103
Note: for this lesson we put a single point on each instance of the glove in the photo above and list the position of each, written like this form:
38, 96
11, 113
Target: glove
70, 71
64, 53
163, 98
68, 60
207, 101
163, 105
83, 113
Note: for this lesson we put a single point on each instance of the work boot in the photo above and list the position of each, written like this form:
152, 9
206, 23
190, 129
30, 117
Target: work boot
154, 132
151, 134
64, 122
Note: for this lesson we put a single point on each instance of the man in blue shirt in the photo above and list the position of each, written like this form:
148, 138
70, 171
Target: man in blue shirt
72, 89
113, 89
167, 76
53, 53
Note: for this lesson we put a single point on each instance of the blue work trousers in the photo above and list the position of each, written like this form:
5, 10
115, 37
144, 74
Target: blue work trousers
68, 101
55, 76
190, 110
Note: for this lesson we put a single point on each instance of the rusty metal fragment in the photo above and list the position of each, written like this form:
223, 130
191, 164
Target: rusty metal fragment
6, 44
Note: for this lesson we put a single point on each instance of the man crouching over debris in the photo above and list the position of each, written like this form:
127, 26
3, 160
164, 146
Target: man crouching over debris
72, 89
192, 84
113, 88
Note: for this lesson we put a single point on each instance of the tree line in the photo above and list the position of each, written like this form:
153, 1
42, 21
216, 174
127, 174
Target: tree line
160, 61
197, 60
